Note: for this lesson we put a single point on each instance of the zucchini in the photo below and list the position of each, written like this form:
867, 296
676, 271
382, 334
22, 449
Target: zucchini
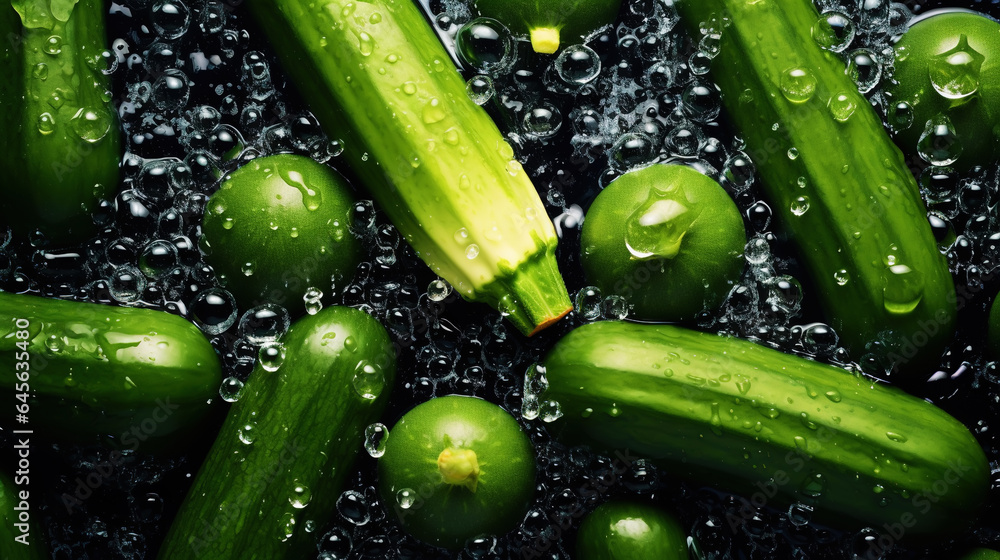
276, 469
981, 554
770, 425
278, 226
376, 76
625, 530
20, 537
128, 373
60, 149
839, 185
550, 23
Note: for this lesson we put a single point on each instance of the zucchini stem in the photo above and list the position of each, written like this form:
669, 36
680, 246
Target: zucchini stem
545, 39
459, 467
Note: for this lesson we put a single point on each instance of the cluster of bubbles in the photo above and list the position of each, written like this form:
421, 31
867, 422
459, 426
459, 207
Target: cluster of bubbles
199, 95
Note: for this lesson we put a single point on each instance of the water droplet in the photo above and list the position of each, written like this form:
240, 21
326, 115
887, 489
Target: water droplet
793, 153
898, 438
588, 303
578, 64
433, 112
480, 89
369, 380
657, 228
833, 31
901, 116
833, 395
472, 251
40, 71
286, 527
300, 495
864, 68
438, 290
955, 74
54, 343
53, 45
375, 437
841, 107
406, 497
313, 299
350, 344
799, 514
214, 311
798, 84
311, 198
842, 277
409, 88
248, 433
264, 323
486, 45
46, 123
757, 251
542, 121
800, 205
231, 389
91, 125
813, 485
939, 144
271, 356
550, 411
903, 289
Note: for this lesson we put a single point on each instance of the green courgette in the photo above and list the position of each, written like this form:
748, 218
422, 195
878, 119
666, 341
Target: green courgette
981, 554
276, 469
20, 537
83, 369
840, 187
278, 226
550, 23
620, 530
377, 77
772, 426
60, 149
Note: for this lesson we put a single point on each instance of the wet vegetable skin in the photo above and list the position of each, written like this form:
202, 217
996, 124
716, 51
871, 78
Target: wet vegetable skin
552, 23
60, 150
839, 187
377, 77
771, 426
19, 540
620, 530
275, 471
99, 370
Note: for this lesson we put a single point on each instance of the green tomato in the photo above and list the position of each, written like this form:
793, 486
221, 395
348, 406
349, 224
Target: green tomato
551, 22
279, 226
455, 468
629, 530
666, 238
948, 71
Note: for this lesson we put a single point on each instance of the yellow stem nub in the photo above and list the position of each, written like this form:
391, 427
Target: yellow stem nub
459, 467
545, 39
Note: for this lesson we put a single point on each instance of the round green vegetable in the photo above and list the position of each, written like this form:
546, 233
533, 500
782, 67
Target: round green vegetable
278, 226
552, 22
948, 73
666, 238
630, 530
455, 468
981, 554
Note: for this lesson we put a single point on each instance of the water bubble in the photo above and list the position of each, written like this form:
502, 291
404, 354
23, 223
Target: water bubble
535, 383
231, 389
864, 68
286, 526
256, 76
588, 303
226, 143
784, 293
271, 356
214, 311
684, 140
757, 251
247, 433
171, 90
406, 497
480, 89
170, 18
900, 116
354, 507
53, 45
55, 344
819, 339
578, 64
369, 380
701, 101
842, 106
632, 150
486, 45
739, 171
799, 515
376, 436
362, 218
841, 277
800, 205
127, 284
472, 251
657, 228
438, 290
550, 411
542, 122
264, 323
313, 300
158, 258
939, 144
903, 289
833, 31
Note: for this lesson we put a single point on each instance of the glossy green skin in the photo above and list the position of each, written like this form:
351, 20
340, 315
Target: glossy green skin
308, 423
287, 216
862, 198
575, 19
661, 287
630, 531
432, 159
771, 426
447, 515
981, 554
55, 179
977, 117
9, 516
119, 369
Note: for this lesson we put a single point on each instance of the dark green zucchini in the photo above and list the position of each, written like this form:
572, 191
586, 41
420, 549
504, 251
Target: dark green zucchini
839, 186
775, 427
621, 530
20, 537
98, 370
276, 469
60, 149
